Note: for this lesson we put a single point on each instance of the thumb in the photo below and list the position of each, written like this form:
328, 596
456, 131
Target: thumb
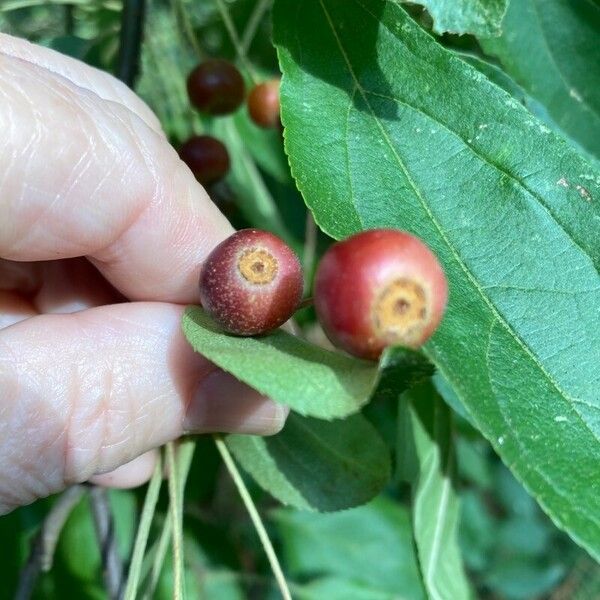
126, 382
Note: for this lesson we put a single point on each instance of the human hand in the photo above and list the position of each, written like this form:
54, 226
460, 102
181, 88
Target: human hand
95, 208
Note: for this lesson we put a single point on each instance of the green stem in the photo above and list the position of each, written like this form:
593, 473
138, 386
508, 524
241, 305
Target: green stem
235, 40
254, 515
310, 248
260, 8
143, 531
159, 559
181, 17
175, 505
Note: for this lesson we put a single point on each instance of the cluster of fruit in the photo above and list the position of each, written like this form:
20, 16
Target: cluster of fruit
216, 87
377, 288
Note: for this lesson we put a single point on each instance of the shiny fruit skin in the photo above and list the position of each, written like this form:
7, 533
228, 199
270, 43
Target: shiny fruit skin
263, 104
379, 288
251, 283
216, 87
206, 157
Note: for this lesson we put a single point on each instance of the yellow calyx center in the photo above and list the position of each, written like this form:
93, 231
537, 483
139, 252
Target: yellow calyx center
258, 266
400, 311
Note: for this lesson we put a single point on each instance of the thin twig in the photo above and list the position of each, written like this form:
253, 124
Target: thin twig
235, 39
310, 248
184, 462
141, 538
69, 19
130, 41
159, 558
112, 566
181, 17
43, 547
260, 8
177, 523
255, 516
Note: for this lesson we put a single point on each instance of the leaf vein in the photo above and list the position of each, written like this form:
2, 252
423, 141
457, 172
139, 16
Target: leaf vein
437, 225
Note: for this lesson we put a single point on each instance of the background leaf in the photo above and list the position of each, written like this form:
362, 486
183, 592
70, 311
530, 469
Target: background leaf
417, 139
435, 504
552, 50
317, 465
479, 17
347, 546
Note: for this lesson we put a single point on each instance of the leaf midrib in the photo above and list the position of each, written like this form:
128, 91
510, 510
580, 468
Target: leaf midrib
450, 246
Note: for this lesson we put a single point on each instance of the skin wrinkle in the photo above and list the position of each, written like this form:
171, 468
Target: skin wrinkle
91, 117
106, 87
23, 474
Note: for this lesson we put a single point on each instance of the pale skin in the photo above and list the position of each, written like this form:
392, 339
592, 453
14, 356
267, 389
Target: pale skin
102, 233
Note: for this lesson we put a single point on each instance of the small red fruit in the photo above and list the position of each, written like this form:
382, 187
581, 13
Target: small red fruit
251, 282
379, 288
216, 87
206, 157
263, 104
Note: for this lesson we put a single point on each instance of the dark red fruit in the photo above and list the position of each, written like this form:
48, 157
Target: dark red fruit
251, 283
379, 288
263, 104
216, 87
206, 157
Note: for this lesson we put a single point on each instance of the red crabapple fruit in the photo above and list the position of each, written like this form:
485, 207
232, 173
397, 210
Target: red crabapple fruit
251, 283
216, 87
263, 104
206, 157
379, 288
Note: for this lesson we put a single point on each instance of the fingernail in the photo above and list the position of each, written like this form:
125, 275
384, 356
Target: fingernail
222, 403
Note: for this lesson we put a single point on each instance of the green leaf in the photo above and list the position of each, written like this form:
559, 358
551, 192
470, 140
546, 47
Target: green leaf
317, 465
479, 17
435, 499
500, 78
419, 140
348, 545
336, 588
311, 380
552, 50
399, 370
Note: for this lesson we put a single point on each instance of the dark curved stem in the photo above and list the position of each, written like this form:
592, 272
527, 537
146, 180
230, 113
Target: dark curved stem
132, 31
69, 19
112, 566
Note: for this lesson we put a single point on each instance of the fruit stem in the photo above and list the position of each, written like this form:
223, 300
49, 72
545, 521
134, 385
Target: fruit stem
310, 248
181, 16
255, 516
306, 303
141, 538
260, 8
235, 40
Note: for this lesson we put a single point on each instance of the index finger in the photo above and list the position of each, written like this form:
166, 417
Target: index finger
80, 176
